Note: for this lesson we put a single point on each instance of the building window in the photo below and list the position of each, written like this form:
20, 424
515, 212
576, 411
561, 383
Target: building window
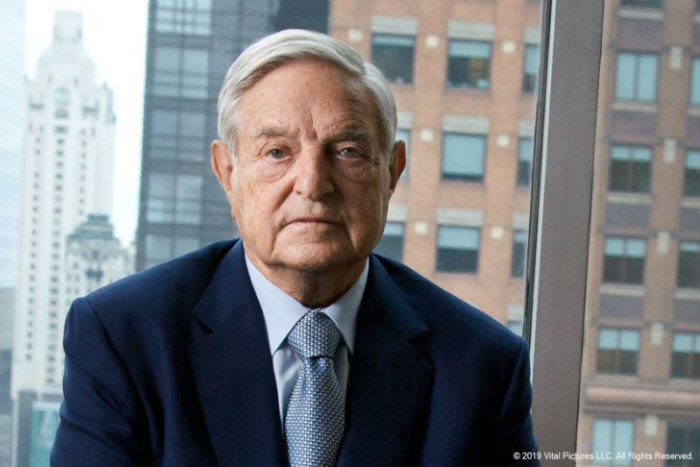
691, 176
695, 79
642, 3
174, 198
180, 72
617, 351
517, 262
463, 157
685, 362
531, 67
391, 243
613, 440
185, 245
525, 151
636, 76
624, 260
688, 265
630, 168
683, 438
469, 64
393, 55
158, 248
457, 249
405, 136
184, 17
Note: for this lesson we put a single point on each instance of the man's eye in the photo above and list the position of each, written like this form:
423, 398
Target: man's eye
276, 153
350, 153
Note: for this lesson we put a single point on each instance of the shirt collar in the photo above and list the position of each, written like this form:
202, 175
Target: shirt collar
282, 312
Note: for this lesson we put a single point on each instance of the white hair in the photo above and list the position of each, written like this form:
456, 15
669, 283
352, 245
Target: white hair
276, 50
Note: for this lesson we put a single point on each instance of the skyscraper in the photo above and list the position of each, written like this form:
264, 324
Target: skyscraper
190, 47
67, 174
12, 104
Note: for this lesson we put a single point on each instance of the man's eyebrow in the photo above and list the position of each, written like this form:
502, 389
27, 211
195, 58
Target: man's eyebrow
351, 134
270, 132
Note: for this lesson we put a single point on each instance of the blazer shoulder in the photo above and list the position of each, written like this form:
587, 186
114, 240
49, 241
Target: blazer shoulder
448, 316
177, 283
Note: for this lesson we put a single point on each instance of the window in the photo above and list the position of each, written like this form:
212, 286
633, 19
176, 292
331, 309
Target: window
393, 55
525, 151
180, 72
691, 176
174, 198
158, 248
185, 245
683, 438
643, 3
469, 64
630, 168
617, 351
624, 260
184, 17
612, 441
517, 262
391, 243
636, 76
457, 249
688, 265
405, 136
695, 81
531, 67
685, 362
463, 157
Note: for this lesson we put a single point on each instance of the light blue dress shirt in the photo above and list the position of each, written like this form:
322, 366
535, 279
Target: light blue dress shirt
282, 312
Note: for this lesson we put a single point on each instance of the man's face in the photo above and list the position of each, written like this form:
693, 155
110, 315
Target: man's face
309, 187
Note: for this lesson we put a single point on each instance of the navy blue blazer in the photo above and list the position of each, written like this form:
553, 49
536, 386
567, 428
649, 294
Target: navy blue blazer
172, 367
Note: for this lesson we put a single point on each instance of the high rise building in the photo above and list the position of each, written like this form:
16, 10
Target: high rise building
67, 173
641, 362
190, 47
12, 103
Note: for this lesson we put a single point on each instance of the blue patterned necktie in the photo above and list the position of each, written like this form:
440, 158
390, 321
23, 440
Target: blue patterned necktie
315, 417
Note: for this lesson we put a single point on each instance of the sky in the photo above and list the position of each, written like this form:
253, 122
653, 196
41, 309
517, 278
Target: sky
114, 34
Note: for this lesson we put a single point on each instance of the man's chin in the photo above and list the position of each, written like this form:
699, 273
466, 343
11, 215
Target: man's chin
316, 258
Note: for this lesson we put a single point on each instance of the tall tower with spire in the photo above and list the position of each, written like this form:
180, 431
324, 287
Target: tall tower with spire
67, 174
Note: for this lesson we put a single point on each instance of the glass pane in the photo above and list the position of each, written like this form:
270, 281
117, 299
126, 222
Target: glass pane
647, 77
458, 237
626, 65
695, 83
644, 225
470, 49
463, 155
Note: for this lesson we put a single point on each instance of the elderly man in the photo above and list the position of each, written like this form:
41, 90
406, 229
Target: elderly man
294, 345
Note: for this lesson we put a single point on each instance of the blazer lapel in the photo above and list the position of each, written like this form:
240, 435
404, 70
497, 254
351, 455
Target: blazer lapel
232, 370
389, 379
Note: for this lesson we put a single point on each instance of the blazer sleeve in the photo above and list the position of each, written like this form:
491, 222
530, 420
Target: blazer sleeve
98, 418
514, 439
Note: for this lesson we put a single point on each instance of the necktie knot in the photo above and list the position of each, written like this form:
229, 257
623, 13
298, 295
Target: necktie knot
314, 335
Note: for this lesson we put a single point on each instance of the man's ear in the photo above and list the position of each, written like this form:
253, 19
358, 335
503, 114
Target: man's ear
398, 162
222, 165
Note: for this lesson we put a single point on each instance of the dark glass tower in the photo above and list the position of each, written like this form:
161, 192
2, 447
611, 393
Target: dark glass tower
191, 44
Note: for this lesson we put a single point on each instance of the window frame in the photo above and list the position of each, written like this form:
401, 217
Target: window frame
557, 263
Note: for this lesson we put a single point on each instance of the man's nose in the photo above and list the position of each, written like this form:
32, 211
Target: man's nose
314, 174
